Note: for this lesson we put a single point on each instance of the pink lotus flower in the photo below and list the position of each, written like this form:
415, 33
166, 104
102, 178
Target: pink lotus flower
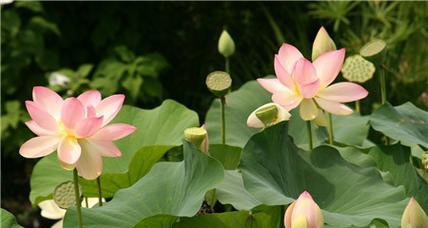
305, 83
304, 212
76, 128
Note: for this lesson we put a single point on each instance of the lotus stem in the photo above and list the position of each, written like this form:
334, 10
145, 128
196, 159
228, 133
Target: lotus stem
357, 106
100, 196
227, 65
77, 197
383, 85
330, 130
86, 202
308, 125
223, 120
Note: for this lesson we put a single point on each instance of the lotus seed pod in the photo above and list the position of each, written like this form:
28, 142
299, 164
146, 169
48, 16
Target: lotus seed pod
226, 45
219, 83
63, 195
322, 43
372, 48
414, 216
197, 136
357, 69
267, 115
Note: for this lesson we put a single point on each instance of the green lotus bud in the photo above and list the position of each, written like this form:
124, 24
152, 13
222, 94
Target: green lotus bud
414, 216
219, 83
226, 46
322, 43
267, 115
63, 195
198, 137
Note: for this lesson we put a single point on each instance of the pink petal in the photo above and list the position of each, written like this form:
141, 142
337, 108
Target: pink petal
113, 132
308, 109
90, 98
69, 150
287, 100
105, 148
39, 146
91, 112
288, 56
287, 216
109, 107
88, 126
305, 206
272, 85
306, 78
333, 107
72, 112
283, 76
36, 129
90, 163
40, 116
48, 100
310, 90
343, 92
328, 66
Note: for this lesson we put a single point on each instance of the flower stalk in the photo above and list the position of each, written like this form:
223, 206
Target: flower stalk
330, 130
77, 196
308, 125
223, 120
100, 196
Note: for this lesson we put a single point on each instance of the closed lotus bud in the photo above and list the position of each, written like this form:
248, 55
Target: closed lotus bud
198, 137
267, 115
322, 43
414, 216
226, 45
303, 213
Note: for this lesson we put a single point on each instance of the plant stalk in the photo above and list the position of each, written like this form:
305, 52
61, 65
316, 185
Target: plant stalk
100, 196
308, 125
330, 130
223, 120
227, 65
383, 85
357, 106
77, 197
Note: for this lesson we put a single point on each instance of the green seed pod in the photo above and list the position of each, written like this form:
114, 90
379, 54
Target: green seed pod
372, 48
63, 195
197, 136
226, 45
219, 83
267, 115
358, 69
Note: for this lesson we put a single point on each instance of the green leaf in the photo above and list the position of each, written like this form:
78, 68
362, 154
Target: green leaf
405, 123
356, 156
41, 24
372, 48
84, 70
395, 159
270, 218
228, 156
274, 171
351, 130
158, 130
8, 220
172, 188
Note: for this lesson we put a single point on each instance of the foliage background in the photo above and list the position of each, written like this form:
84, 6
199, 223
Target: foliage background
157, 50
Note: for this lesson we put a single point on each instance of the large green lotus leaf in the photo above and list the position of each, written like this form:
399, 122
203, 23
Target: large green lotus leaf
405, 123
270, 218
157, 221
356, 156
170, 188
395, 159
158, 130
8, 220
227, 155
274, 171
231, 191
351, 130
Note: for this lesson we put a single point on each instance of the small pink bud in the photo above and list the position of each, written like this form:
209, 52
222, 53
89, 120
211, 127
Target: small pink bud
303, 213
414, 216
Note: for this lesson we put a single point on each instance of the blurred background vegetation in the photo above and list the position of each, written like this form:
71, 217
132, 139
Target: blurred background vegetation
158, 50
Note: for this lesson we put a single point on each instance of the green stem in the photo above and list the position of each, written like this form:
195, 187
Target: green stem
223, 121
383, 85
86, 202
308, 125
214, 199
77, 197
227, 65
357, 106
330, 130
100, 196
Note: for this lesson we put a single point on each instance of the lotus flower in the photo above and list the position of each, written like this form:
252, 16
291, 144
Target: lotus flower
267, 115
301, 82
76, 128
414, 216
303, 212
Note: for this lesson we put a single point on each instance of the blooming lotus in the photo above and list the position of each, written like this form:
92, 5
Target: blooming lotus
303, 212
301, 82
76, 128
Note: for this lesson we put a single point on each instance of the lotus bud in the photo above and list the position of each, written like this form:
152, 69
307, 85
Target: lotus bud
414, 216
226, 45
304, 213
219, 83
322, 43
267, 115
197, 136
